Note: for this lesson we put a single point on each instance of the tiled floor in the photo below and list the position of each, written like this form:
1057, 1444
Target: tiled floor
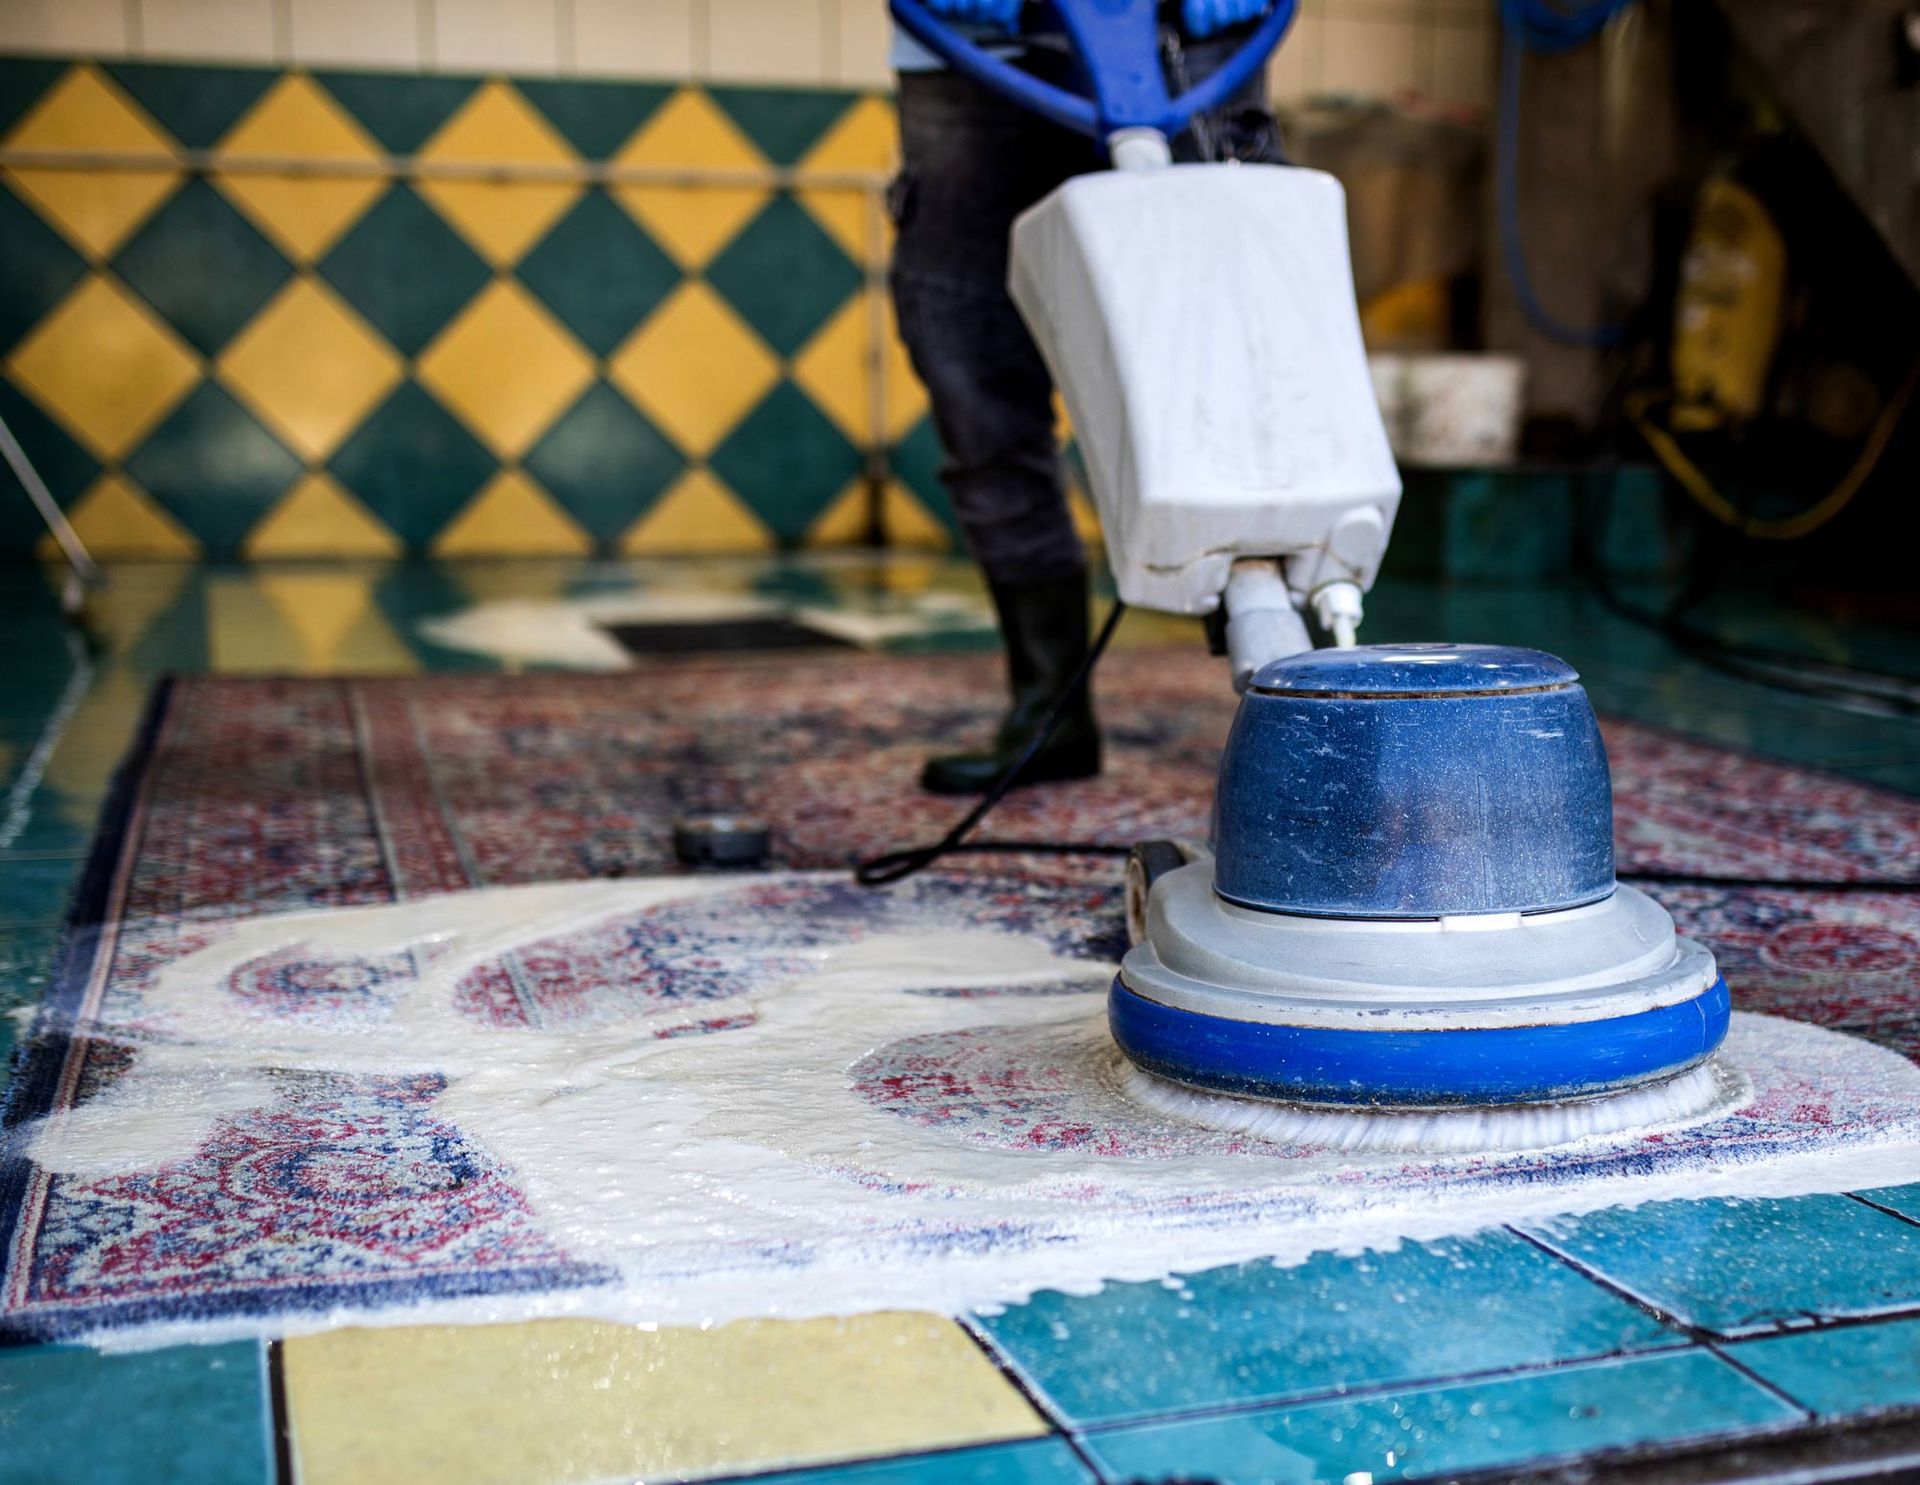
1668, 1322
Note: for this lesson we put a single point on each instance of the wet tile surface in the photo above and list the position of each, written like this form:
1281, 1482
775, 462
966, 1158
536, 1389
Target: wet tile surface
1481, 1425
1733, 1266
1259, 1333
1036, 1462
194, 1413
1254, 1361
1841, 1370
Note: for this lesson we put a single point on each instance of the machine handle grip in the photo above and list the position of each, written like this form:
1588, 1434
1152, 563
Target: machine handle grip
1118, 43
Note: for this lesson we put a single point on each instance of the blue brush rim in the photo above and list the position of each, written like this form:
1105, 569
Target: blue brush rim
1418, 1069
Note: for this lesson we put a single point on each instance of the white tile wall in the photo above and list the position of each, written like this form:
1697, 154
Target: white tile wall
1441, 49
496, 36
632, 38
86, 27
771, 41
360, 33
210, 30
866, 36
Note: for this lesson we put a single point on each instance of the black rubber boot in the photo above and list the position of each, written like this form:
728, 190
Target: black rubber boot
1044, 625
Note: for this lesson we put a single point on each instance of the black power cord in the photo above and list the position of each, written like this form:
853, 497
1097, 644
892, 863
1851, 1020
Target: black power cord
895, 866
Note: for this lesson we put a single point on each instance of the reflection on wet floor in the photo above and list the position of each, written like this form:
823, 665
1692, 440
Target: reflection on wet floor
1667, 1322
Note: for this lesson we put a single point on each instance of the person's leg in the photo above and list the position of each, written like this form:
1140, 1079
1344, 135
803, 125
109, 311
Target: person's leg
971, 164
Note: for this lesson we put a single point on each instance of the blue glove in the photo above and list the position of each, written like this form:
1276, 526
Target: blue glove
1204, 17
1002, 13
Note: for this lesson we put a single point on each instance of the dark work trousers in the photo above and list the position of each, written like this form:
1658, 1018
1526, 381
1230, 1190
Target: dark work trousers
971, 163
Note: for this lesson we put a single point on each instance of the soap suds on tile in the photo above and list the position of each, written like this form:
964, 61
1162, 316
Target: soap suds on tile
930, 1119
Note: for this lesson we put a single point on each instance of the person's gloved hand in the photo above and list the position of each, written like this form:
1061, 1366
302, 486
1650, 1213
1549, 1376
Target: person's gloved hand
1204, 17
1002, 13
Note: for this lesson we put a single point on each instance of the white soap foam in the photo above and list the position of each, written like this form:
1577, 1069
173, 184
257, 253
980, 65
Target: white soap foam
795, 1165
1712, 1090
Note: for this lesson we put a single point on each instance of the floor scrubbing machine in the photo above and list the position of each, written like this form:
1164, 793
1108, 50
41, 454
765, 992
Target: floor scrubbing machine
1408, 902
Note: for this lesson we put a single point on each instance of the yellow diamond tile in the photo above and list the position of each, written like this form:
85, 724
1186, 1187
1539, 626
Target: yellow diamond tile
502, 219
302, 621
698, 514
304, 215
86, 111
563, 1401
694, 368
507, 367
96, 209
851, 218
316, 518
689, 131
494, 126
866, 139
297, 118
908, 523
116, 518
843, 523
512, 517
310, 367
104, 366
836, 368
693, 222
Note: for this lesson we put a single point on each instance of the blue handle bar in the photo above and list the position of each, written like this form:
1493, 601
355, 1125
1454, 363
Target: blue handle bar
1118, 42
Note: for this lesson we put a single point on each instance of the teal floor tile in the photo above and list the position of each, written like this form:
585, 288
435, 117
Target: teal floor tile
26, 964
1902, 1199
1256, 1333
36, 890
1032, 1462
194, 1414
1504, 1422
1843, 1370
1733, 1266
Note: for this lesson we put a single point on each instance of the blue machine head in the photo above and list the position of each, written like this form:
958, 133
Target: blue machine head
1118, 44
1414, 781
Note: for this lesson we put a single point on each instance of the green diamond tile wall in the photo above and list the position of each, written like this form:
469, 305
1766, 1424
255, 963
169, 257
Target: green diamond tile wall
258, 313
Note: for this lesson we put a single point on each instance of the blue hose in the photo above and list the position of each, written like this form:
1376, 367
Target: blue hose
1550, 30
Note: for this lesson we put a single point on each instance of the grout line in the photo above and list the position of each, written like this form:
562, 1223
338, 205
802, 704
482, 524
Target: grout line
1697, 1333
135, 28
774, 1473
284, 1471
1718, 1348
283, 32
832, 73
426, 36
1037, 1400
1867, 1201
1704, 1336
700, 40
566, 50
1347, 1392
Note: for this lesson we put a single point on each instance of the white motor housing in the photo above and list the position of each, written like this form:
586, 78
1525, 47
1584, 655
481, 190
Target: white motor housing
1200, 323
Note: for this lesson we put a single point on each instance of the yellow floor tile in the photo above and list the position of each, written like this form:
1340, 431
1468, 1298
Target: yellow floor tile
565, 1400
